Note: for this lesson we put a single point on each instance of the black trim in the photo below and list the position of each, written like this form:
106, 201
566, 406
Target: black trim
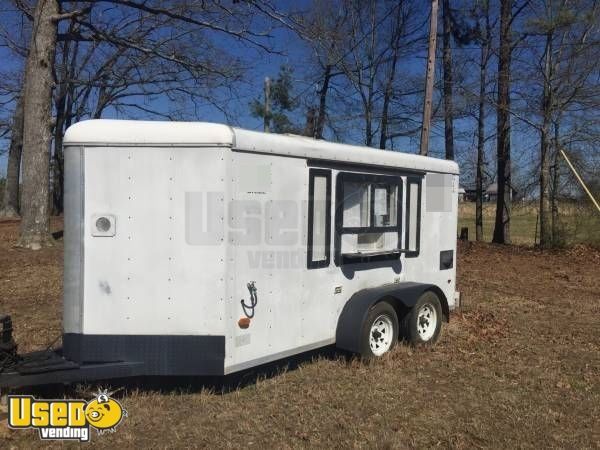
160, 354
355, 258
419, 182
374, 179
86, 357
446, 259
311, 199
343, 166
354, 230
374, 169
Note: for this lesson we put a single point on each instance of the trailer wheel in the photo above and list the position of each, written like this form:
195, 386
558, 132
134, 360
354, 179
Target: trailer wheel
380, 330
422, 325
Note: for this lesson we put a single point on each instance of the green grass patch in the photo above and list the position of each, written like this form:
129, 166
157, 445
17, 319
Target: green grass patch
579, 224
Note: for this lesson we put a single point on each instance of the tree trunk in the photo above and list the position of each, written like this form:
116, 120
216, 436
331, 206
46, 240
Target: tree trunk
37, 125
556, 235
447, 62
309, 128
267, 118
503, 198
481, 140
383, 137
545, 220
320, 126
368, 126
58, 160
372, 74
10, 209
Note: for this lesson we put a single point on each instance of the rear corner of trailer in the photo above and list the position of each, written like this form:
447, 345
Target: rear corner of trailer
440, 221
144, 245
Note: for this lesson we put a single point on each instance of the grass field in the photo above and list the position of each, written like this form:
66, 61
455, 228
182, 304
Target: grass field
578, 223
518, 367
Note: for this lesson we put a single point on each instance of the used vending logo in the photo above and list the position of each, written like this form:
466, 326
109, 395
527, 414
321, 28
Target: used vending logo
65, 419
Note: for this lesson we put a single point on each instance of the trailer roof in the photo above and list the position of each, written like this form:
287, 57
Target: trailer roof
184, 134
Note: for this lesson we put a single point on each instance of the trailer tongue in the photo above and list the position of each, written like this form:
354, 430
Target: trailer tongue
50, 366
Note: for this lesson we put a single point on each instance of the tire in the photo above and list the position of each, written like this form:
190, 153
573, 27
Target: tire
422, 325
380, 331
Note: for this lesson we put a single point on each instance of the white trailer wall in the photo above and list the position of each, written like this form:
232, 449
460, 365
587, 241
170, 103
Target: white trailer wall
160, 274
298, 308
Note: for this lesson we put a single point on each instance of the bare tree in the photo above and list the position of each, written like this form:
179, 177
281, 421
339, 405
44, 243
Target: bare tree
545, 221
503, 199
379, 36
398, 32
566, 66
447, 64
485, 40
503, 163
363, 60
37, 125
93, 76
15, 40
324, 30
194, 21
13, 167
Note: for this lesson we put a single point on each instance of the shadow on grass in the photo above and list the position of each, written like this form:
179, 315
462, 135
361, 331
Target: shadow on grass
218, 385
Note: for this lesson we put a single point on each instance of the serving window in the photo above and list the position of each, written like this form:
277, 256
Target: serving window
371, 213
367, 216
370, 205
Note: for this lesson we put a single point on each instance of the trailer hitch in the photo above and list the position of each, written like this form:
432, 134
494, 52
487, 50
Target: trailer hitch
8, 346
34, 362
49, 366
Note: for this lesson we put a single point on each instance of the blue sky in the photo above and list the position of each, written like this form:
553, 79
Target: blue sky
264, 64
267, 64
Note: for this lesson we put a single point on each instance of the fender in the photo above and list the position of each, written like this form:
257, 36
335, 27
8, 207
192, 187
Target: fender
354, 313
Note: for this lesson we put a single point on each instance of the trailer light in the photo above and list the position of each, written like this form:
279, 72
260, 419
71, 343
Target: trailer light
103, 224
244, 323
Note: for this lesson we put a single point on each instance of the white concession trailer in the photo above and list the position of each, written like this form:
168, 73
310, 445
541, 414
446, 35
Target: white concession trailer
202, 249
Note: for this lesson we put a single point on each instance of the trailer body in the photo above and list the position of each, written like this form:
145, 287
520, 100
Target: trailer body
201, 249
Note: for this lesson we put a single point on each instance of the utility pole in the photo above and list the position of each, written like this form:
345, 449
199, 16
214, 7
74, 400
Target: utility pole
267, 104
429, 79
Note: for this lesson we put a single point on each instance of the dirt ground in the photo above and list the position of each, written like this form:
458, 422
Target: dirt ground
518, 367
